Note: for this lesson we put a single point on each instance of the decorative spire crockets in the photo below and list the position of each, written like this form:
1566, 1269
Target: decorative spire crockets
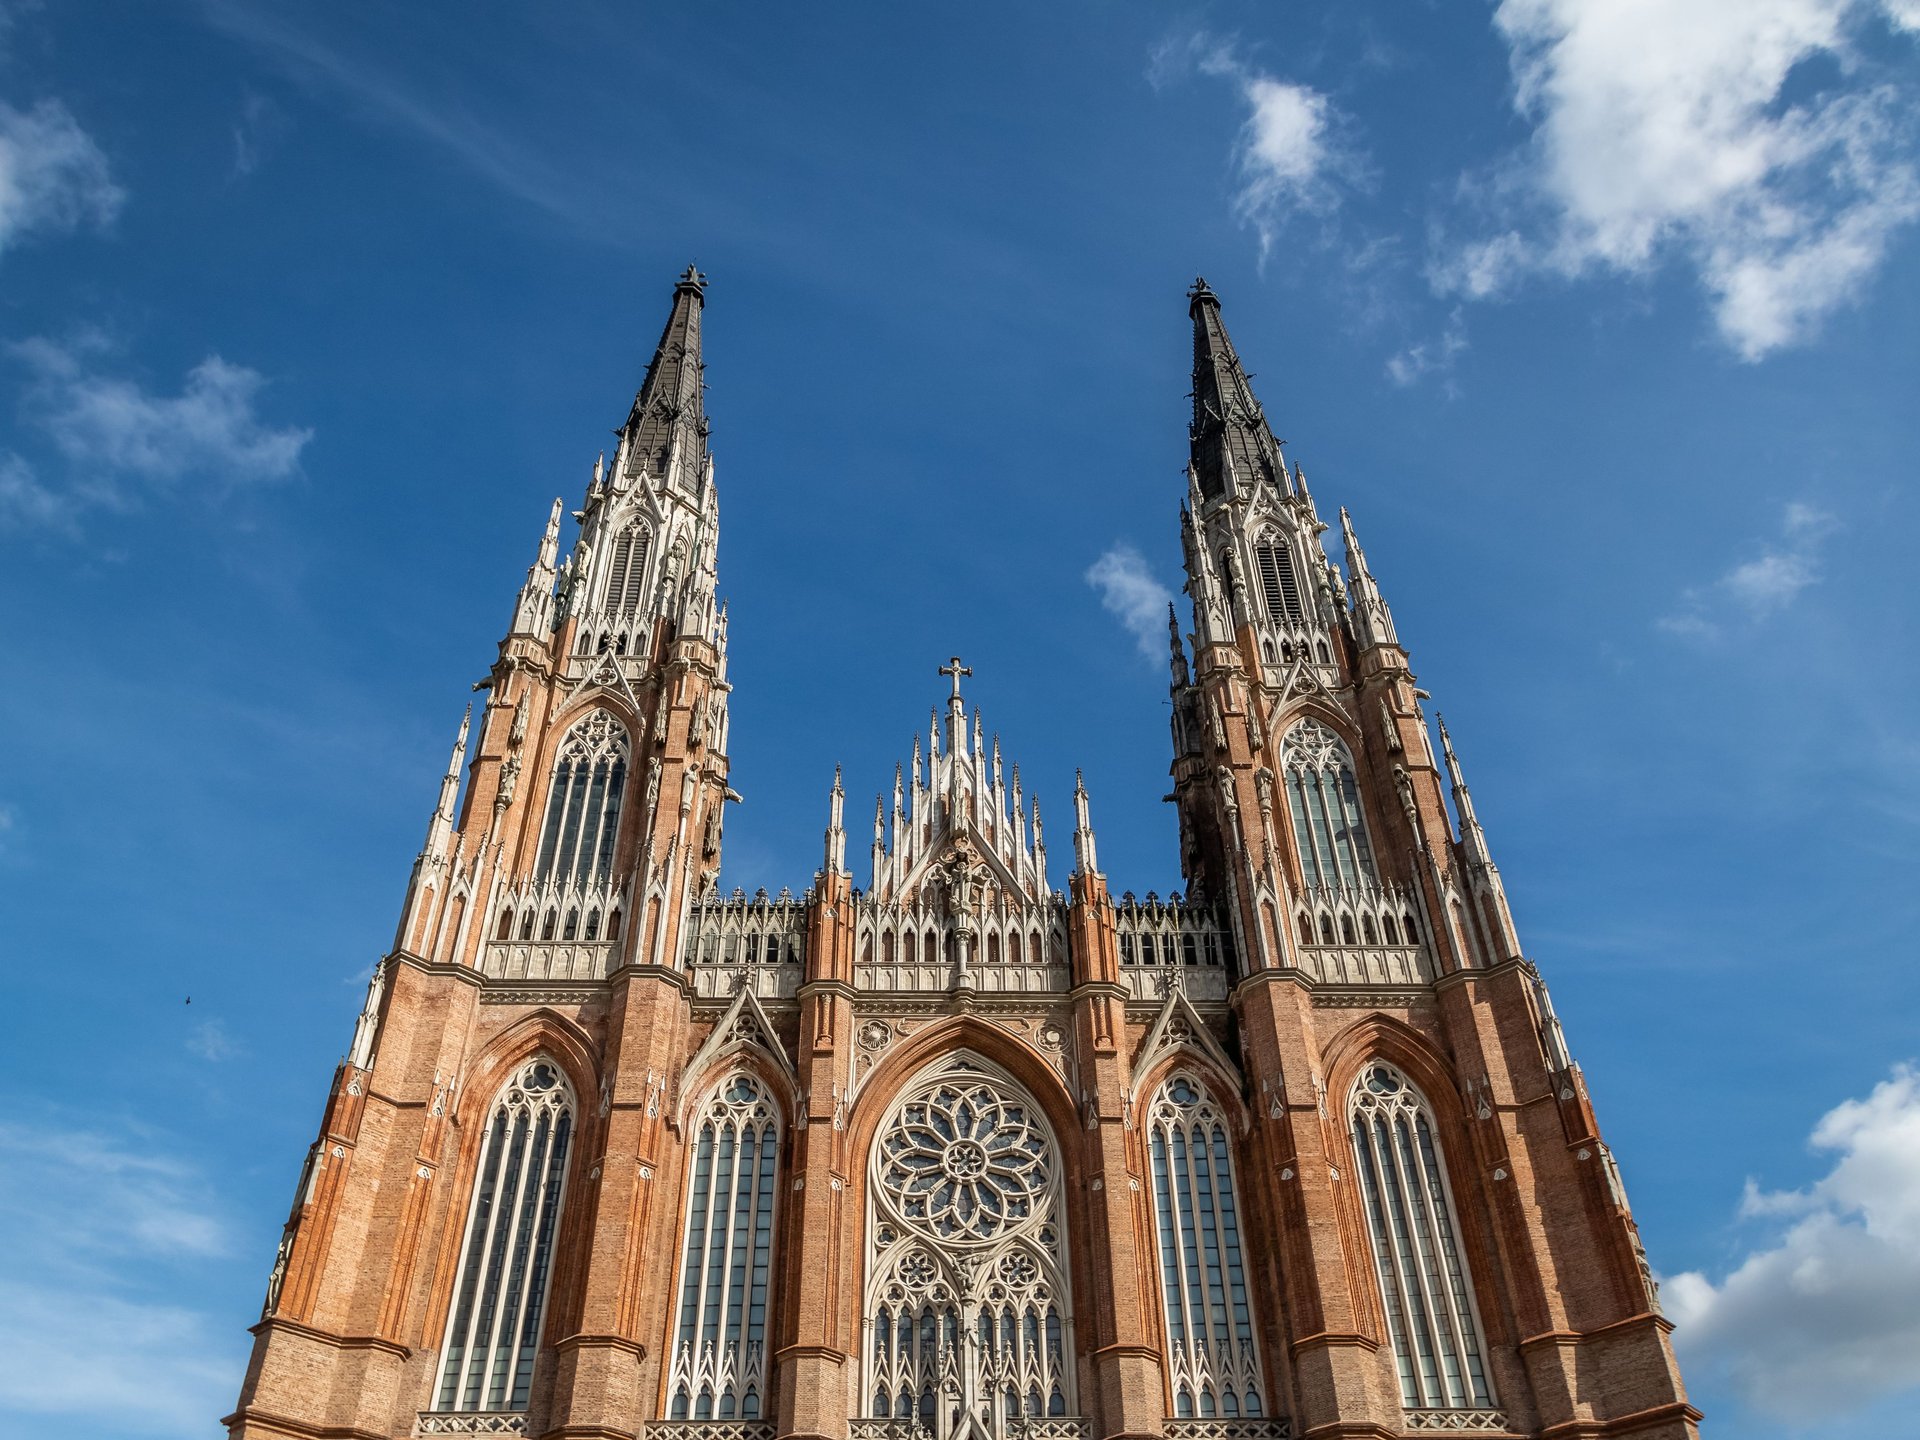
1232, 446
665, 436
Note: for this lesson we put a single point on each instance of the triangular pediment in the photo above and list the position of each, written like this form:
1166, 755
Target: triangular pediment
744, 1025
1178, 1026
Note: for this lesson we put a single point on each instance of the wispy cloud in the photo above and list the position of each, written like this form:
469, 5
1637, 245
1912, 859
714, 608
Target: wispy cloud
1761, 587
1132, 595
114, 430
88, 1212
1820, 1319
497, 156
1430, 358
25, 503
255, 133
1292, 156
53, 177
211, 1042
1666, 130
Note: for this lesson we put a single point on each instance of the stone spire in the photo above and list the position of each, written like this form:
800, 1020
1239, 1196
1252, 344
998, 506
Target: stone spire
836, 838
666, 431
1233, 449
1086, 859
1372, 621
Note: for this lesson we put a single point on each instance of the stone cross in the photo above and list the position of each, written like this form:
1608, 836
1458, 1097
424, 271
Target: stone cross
954, 668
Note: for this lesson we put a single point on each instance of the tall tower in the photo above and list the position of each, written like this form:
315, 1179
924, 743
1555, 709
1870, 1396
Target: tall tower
477, 1187
1454, 1245
958, 1155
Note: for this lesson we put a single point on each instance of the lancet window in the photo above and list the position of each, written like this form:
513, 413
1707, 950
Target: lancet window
1416, 1248
1278, 586
499, 1300
1212, 1363
969, 1312
583, 803
719, 1357
1323, 798
627, 571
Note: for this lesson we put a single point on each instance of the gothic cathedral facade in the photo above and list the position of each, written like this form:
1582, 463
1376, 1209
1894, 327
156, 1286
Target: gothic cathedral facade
1297, 1153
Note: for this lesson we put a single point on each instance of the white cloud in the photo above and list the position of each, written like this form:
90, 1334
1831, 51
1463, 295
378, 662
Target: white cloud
108, 420
94, 1221
53, 178
113, 429
1664, 128
1430, 357
1289, 155
1822, 1319
1133, 596
1763, 586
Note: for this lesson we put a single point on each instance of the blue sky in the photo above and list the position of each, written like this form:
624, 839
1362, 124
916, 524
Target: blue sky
1601, 318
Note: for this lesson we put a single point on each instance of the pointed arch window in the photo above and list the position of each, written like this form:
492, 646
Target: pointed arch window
719, 1357
1273, 557
1323, 798
499, 1300
1212, 1363
969, 1315
627, 571
1411, 1222
583, 803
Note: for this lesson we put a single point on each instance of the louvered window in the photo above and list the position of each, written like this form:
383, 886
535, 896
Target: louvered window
1277, 582
1214, 1369
627, 571
719, 1359
493, 1333
1416, 1249
583, 804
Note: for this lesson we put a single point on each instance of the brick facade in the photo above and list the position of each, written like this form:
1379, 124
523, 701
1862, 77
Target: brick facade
644, 989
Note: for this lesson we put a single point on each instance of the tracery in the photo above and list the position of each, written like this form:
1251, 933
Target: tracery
968, 1305
1214, 1368
1410, 1219
493, 1332
719, 1359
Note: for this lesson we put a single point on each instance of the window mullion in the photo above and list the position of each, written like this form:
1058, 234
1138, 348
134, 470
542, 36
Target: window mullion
524, 1145
513, 1310
1421, 1272
1379, 1146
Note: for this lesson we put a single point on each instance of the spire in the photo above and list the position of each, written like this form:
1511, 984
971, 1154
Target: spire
1231, 443
1086, 860
533, 607
1485, 874
836, 857
1472, 838
1179, 650
440, 828
1373, 622
666, 431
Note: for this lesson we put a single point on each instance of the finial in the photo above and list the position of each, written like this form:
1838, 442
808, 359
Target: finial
1085, 860
692, 279
955, 669
1200, 290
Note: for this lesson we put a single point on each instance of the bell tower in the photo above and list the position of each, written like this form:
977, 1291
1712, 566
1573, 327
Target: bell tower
1383, 992
532, 989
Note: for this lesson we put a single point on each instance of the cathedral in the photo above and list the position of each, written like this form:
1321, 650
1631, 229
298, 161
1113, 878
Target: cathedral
961, 1147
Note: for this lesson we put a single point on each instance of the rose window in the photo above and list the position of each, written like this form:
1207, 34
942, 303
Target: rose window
965, 1162
967, 1303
